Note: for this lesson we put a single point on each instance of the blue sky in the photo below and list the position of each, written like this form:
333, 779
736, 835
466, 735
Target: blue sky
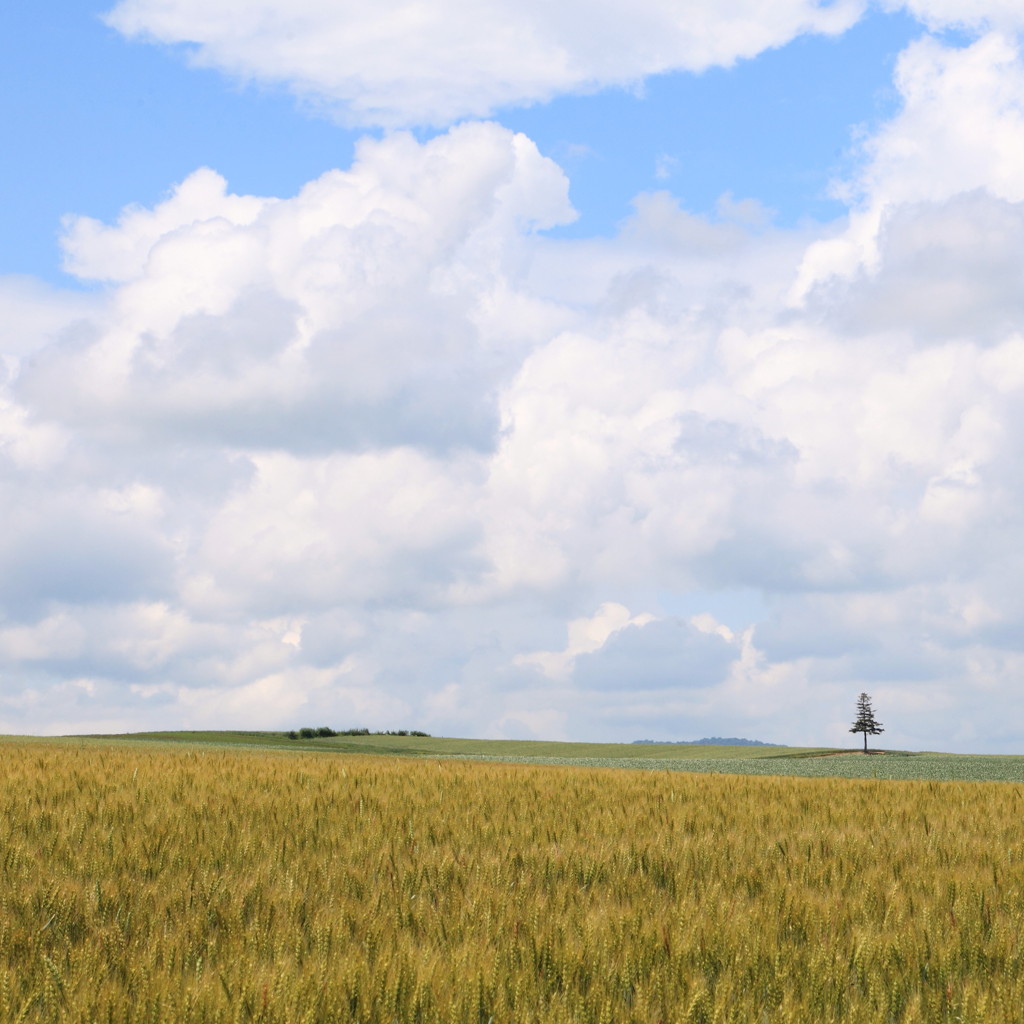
513, 370
754, 130
97, 122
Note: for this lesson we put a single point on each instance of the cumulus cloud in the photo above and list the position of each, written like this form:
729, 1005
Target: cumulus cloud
960, 129
943, 270
586, 635
120, 252
369, 308
309, 533
34, 313
271, 424
395, 63
965, 14
658, 655
384, 451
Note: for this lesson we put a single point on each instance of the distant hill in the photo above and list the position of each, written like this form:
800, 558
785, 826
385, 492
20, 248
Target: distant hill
715, 741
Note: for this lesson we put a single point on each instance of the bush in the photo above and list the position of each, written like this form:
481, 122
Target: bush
307, 733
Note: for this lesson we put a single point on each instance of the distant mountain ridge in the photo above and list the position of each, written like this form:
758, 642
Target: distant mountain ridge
715, 741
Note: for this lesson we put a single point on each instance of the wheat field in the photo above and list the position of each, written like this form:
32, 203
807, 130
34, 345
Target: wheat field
143, 886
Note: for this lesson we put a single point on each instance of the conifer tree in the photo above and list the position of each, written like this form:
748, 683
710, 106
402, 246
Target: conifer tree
866, 722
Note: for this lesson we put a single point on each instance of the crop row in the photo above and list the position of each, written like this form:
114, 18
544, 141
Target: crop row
927, 767
143, 886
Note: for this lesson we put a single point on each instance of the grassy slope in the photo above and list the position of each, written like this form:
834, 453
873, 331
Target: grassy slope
744, 760
427, 746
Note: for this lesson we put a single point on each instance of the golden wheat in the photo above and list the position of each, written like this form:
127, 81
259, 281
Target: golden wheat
146, 885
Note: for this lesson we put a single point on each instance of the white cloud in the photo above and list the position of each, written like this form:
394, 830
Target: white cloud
942, 270
964, 14
961, 126
96, 251
396, 63
361, 455
665, 166
668, 655
32, 312
960, 129
372, 306
586, 636
309, 533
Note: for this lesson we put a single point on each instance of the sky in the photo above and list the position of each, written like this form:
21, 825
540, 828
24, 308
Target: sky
595, 372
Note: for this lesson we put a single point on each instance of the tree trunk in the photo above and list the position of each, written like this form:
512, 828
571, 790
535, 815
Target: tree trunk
865, 741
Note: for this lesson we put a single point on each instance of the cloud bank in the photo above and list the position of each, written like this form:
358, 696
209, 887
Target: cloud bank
386, 453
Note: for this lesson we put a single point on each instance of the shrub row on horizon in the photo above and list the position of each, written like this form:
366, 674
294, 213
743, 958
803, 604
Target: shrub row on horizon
307, 733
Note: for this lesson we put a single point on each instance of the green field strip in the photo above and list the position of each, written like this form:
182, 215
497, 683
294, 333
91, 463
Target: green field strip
922, 767
432, 746
802, 762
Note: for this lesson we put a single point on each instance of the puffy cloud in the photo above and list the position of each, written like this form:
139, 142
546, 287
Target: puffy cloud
96, 251
79, 554
964, 14
33, 313
382, 453
310, 533
960, 129
372, 307
943, 270
270, 425
662, 655
586, 635
395, 63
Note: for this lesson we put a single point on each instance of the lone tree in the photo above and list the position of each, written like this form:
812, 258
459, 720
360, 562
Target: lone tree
866, 722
